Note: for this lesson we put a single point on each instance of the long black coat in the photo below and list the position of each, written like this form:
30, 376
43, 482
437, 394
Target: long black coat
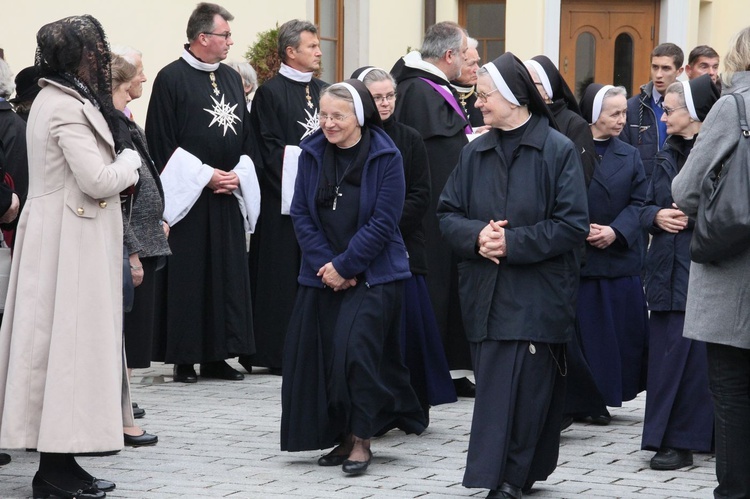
542, 194
443, 131
417, 176
574, 127
668, 257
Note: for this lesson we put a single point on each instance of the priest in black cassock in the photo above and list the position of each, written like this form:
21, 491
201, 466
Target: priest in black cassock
285, 111
198, 131
427, 102
465, 85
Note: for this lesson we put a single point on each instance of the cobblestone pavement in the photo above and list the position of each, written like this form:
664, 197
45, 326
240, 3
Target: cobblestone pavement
221, 439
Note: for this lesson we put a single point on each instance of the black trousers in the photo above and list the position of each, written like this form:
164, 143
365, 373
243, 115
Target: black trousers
729, 381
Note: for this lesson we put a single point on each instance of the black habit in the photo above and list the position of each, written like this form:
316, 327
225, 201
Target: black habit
421, 107
280, 117
208, 314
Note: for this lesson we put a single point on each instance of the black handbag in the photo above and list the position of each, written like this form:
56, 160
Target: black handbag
722, 226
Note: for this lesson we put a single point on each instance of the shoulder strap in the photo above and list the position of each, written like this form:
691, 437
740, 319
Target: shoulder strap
743, 114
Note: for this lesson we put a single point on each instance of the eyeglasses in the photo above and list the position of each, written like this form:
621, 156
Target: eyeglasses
384, 98
482, 96
336, 118
225, 36
669, 110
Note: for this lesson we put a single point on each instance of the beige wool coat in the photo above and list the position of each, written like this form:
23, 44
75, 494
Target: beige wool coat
62, 383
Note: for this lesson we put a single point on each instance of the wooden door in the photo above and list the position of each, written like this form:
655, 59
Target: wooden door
607, 42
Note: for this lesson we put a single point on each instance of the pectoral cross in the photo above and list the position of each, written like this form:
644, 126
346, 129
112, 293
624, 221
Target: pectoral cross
338, 195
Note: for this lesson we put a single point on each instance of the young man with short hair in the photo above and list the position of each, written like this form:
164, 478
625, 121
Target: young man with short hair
644, 128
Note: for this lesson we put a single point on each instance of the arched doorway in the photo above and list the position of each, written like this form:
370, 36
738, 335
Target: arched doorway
607, 42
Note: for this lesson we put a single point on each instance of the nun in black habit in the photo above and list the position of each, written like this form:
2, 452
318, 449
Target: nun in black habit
514, 210
679, 415
343, 377
562, 103
611, 311
421, 347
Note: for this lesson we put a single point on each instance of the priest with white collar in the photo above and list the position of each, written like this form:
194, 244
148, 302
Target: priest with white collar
284, 112
199, 135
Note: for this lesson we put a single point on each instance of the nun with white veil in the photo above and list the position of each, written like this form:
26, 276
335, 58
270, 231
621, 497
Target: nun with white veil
514, 210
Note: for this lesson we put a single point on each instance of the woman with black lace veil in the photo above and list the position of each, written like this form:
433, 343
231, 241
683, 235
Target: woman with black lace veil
62, 385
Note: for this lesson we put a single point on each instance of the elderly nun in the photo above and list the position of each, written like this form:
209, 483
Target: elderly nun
343, 378
514, 210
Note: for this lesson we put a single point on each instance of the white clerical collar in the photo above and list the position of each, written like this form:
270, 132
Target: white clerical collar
294, 74
461, 89
200, 65
414, 60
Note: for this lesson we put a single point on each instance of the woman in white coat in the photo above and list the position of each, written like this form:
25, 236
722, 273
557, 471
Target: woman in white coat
62, 389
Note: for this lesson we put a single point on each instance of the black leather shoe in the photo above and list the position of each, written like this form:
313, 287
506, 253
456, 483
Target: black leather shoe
221, 370
4, 458
104, 485
465, 388
356, 467
138, 413
90, 481
671, 459
42, 489
184, 373
506, 491
602, 419
141, 440
332, 459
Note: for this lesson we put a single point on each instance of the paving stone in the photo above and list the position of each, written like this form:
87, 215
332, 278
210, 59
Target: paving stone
221, 439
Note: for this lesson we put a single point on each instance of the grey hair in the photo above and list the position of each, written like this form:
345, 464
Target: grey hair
127, 52
338, 92
122, 71
202, 19
678, 89
440, 38
482, 71
290, 34
472, 43
376, 75
246, 71
7, 85
614, 92
738, 57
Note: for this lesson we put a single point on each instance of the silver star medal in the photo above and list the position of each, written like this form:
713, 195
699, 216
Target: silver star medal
311, 124
223, 114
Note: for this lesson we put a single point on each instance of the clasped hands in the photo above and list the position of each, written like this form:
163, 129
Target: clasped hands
223, 182
491, 241
601, 236
671, 220
331, 278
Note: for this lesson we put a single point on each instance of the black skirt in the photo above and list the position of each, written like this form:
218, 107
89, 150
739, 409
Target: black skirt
343, 371
139, 324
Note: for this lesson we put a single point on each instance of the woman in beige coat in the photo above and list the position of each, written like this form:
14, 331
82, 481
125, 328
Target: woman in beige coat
62, 389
